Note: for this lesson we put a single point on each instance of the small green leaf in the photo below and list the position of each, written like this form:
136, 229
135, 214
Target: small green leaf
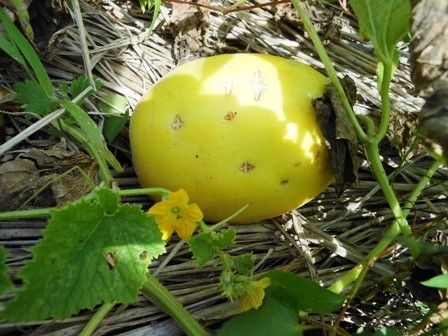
32, 96
114, 125
224, 239
80, 83
118, 109
302, 294
114, 104
94, 250
202, 247
243, 263
384, 22
272, 318
5, 282
439, 281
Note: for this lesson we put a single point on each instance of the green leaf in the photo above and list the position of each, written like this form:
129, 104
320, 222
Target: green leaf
114, 104
32, 95
202, 247
302, 294
243, 263
80, 83
155, 15
118, 109
114, 125
11, 50
5, 282
272, 318
94, 250
387, 331
439, 281
92, 132
224, 239
384, 22
28, 52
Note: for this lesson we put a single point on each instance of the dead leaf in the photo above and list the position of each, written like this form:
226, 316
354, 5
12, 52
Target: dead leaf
339, 134
19, 179
429, 52
189, 25
47, 177
433, 119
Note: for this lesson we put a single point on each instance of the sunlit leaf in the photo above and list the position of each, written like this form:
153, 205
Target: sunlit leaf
93, 251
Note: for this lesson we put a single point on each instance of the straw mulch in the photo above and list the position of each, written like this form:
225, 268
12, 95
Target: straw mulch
320, 240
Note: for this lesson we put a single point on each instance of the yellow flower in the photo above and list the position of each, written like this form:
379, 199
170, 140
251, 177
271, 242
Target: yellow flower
175, 214
255, 295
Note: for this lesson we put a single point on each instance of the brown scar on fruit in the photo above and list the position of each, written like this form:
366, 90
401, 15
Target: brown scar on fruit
285, 181
247, 167
111, 262
143, 255
258, 85
177, 123
297, 164
230, 115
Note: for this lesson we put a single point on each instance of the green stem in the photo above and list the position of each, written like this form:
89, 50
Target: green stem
373, 156
96, 319
385, 102
143, 191
331, 72
346, 279
27, 214
392, 233
420, 186
167, 301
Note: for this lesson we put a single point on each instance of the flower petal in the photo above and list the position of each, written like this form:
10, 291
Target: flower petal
185, 228
193, 213
161, 208
255, 295
178, 198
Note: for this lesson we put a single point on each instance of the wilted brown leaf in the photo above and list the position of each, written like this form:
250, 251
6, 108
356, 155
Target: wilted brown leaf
339, 134
429, 56
45, 176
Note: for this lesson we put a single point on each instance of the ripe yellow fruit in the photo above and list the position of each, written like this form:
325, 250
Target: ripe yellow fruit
234, 130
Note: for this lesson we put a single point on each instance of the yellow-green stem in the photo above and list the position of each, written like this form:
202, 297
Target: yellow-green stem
385, 102
374, 158
331, 72
168, 302
96, 319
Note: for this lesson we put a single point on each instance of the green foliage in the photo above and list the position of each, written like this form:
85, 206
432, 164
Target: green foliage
117, 109
439, 281
94, 250
20, 9
77, 86
32, 96
302, 294
272, 318
146, 5
204, 245
384, 22
5, 282
243, 263
26, 49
